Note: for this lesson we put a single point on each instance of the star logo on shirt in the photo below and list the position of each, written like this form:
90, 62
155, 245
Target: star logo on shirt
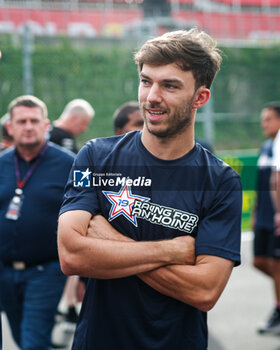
122, 203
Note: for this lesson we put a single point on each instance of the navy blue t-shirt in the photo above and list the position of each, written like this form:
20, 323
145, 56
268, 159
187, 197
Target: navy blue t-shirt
265, 210
147, 198
32, 238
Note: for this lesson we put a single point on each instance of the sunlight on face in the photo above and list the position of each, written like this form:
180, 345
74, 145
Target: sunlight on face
166, 95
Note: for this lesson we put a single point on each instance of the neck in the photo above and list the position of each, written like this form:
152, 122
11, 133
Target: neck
64, 124
168, 148
28, 153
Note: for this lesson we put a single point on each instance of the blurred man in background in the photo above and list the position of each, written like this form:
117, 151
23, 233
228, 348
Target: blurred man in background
276, 182
6, 139
33, 176
266, 243
73, 121
128, 118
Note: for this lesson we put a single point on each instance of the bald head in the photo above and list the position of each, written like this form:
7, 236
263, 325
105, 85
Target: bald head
76, 117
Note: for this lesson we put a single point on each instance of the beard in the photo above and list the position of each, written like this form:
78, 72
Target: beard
178, 122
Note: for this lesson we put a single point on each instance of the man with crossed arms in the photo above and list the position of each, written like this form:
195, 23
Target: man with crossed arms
162, 252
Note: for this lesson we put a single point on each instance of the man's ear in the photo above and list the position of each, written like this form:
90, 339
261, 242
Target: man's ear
202, 96
9, 128
47, 124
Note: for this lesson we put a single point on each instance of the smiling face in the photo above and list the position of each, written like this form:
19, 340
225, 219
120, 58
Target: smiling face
166, 95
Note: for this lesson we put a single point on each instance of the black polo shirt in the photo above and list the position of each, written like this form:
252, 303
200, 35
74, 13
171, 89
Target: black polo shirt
63, 138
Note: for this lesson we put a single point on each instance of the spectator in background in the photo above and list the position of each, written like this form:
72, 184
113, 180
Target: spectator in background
34, 174
73, 121
6, 139
128, 118
276, 182
266, 243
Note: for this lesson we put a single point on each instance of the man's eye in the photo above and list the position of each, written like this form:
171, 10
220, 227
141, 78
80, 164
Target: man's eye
170, 86
144, 81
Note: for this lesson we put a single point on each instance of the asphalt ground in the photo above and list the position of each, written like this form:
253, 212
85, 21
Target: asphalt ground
244, 304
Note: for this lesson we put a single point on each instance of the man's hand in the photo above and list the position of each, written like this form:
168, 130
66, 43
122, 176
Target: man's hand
183, 248
99, 227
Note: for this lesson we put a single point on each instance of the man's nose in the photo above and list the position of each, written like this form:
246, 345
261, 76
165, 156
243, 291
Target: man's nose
28, 124
154, 94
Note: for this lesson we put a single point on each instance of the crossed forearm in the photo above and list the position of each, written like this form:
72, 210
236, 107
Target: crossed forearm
82, 251
161, 278
197, 281
100, 228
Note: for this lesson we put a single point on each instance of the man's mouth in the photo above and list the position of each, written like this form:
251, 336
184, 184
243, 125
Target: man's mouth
28, 136
155, 114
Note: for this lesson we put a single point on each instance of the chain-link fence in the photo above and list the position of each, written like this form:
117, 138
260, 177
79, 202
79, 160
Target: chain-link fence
59, 50
102, 71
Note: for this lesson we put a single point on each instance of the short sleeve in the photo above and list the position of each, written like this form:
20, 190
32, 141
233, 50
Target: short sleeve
219, 232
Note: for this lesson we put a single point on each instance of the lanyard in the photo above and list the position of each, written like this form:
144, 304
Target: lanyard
21, 184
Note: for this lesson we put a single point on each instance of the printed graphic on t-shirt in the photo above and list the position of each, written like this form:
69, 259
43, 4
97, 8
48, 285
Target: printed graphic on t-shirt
165, 216
122, 203
133, 206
